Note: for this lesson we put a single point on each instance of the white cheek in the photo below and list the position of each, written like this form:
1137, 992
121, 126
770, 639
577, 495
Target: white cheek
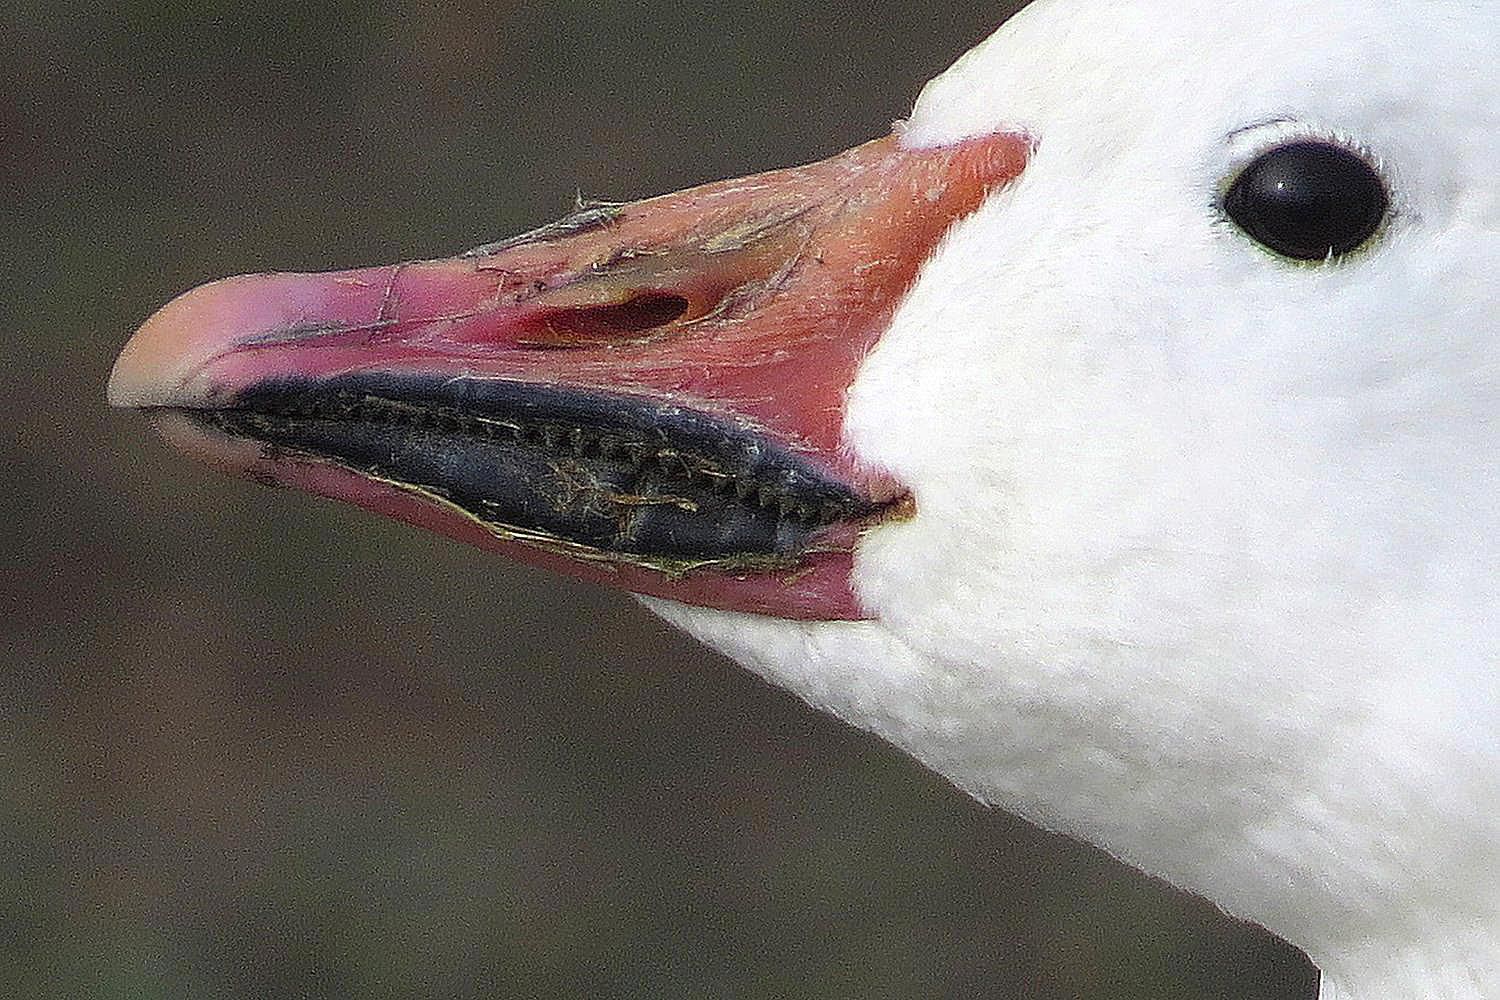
1021, 412
1087, 422
1168, 452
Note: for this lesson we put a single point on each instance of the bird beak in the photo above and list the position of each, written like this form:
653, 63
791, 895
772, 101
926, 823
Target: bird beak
649, 395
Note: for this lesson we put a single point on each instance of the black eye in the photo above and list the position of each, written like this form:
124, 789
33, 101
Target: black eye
1307, 200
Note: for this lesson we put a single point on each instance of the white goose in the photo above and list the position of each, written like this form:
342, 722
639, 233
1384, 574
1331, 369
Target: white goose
1158, 501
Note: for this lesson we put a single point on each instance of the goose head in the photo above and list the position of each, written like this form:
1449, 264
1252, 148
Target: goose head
1127, 419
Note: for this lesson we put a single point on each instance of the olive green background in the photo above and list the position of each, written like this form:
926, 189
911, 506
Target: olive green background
254, 744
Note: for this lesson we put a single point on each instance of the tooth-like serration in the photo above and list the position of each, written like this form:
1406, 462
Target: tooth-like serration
610, 474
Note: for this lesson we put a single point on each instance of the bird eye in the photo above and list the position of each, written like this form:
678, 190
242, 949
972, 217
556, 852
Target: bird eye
1308, 200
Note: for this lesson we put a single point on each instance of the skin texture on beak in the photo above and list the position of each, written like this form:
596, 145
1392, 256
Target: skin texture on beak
648, 395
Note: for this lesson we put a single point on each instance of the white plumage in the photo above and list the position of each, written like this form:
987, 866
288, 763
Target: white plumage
1204, 566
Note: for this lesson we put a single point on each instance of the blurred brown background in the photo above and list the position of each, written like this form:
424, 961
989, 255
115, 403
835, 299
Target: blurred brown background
258, 745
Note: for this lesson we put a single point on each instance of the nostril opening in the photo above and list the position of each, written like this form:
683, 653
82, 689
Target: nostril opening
637, 314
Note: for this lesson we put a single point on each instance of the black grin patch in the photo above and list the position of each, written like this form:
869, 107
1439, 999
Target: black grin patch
624, 477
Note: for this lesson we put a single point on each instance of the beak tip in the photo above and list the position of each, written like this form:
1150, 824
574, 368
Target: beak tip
126, 388
157, 363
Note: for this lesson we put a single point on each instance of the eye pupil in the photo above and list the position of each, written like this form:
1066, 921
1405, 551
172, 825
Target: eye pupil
1308, 200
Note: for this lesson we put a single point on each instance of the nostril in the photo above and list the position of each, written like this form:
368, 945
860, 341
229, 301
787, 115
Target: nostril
578, 325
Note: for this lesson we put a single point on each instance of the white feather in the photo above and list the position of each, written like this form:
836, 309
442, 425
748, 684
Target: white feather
1204, 563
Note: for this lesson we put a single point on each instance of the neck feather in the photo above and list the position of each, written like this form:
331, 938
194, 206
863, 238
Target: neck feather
1385, 880
1451, 965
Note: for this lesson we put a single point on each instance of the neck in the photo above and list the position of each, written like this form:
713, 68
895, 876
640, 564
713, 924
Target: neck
1367, 838
1450, 965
